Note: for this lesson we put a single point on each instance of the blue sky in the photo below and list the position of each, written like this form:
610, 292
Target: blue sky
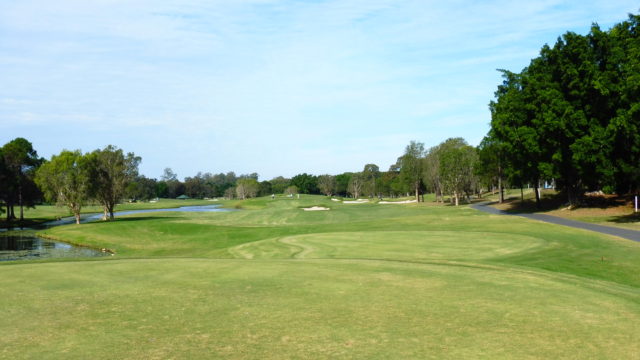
273, 87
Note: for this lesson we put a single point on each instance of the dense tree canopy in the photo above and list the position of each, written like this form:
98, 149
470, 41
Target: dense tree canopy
573, 114
111, 171
18, 163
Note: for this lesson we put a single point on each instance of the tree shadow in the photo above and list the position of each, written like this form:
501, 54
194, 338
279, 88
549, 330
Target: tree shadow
626, 219
550, 202
132, 218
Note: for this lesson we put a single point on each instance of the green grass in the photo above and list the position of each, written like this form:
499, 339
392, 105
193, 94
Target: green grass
358, 281
43, 213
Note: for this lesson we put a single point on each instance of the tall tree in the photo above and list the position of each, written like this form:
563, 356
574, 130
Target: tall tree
491, 163
111, 171
457, 167
356, 183
20, 162
371, 173
327, 184
65, 180
411, 166
247, 188
431, 172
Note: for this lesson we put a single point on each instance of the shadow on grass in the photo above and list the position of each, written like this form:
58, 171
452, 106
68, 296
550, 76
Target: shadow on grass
26, 223
550, 202
137, 218
626, 219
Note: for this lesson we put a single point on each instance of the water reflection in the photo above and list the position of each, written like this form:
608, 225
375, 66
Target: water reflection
25, 247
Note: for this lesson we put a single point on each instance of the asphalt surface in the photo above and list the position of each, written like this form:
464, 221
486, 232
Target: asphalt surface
623, 233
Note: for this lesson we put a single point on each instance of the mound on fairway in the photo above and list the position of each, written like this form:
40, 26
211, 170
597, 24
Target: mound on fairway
406, 245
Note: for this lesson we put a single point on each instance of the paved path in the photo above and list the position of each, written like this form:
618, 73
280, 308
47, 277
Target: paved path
623, 233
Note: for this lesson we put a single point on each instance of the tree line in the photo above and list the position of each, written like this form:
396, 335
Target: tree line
572, 117
108, 176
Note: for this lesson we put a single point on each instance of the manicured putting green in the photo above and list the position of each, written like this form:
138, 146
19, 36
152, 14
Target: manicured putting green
425, 245
275, 309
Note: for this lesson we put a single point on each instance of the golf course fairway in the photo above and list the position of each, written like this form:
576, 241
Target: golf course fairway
367, 281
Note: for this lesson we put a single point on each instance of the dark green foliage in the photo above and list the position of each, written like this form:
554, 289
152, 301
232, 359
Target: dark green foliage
111, 171
342, 183
411, 167
279, 184
18, 164
306, 184
573, 114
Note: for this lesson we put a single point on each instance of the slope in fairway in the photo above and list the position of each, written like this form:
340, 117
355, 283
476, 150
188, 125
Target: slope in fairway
407, 245
316, 308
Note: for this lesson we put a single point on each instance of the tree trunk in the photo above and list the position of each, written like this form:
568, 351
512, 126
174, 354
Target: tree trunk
537, 190
417, 194
455, 195
521, 193
572, 195
111, 208
21, 203
77, 216
501, 190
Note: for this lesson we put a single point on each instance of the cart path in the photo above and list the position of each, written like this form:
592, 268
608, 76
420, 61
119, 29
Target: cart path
609, 230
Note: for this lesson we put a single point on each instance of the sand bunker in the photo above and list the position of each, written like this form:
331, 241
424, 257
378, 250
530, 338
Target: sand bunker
397, 202
359, 201
316, 208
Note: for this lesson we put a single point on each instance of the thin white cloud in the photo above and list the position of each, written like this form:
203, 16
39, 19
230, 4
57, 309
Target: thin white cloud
230, 76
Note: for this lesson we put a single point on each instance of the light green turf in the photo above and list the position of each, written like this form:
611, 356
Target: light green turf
358, 281
42, 213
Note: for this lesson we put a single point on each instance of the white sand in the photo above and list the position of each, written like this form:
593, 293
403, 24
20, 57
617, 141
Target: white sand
397, 202
359, 201
316, 208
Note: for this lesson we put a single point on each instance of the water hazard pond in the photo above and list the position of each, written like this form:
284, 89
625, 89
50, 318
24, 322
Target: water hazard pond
30, 247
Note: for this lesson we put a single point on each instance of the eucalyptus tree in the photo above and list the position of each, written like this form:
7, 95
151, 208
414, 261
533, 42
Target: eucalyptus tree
431, 172
356, 183
247, 188
327, 184
65, 180
291, 190
457, 167
411, 164
371, 174
111, 171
